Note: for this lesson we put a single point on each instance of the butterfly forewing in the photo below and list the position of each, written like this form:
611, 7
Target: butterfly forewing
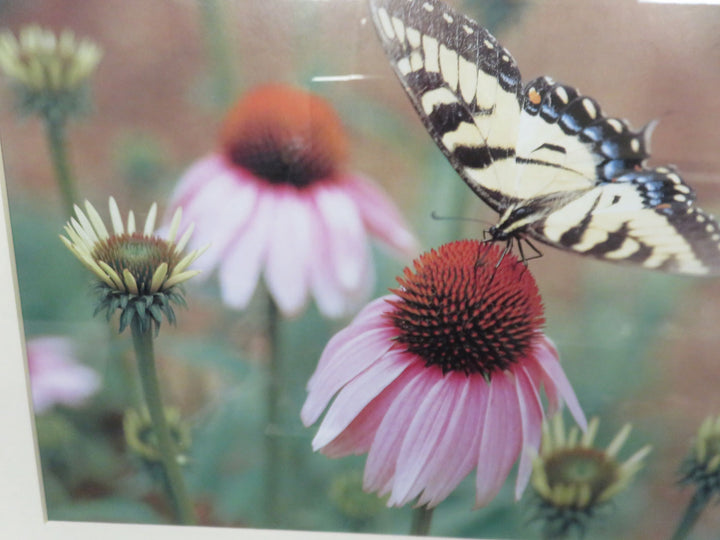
463, 84
543, 156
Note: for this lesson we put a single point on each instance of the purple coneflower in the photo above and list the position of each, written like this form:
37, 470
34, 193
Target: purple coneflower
442, 377
277, 199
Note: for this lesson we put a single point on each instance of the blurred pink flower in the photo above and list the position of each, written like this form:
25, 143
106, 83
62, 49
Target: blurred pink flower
56, 378
442, 377
277, 199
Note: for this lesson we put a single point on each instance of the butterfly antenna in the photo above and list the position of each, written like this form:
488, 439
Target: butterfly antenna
437, 217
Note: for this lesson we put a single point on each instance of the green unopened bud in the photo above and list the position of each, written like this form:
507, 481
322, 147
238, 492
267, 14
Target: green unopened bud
572, 479
49, 72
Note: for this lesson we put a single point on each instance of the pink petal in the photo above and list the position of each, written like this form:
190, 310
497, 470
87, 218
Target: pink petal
240, 269
70, 385
540, 379
194, 179
531, 415
357, 394
55, 375
359, 435
344, 234
49, 349
547, 359
358, 354
501, 439
373, 309
456, 454
384, 452
289, 251
381, 216
330, 296
220, 208
370, 318
424, 437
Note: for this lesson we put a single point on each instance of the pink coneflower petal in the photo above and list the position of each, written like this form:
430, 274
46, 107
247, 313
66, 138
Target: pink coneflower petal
352, 399
367, 319
371, 315
358, 437
555, 378
357, 354
193, 180
383, 455
242, 265
531, 414
219, 210
541, 380
345, 235
56, 377
380, 217
422, 440
449, 466
332, 299
501, 438
289, 252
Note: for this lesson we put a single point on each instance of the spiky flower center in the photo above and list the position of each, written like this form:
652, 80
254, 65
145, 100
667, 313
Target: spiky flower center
139, 254
582, 468
284, 136
467, 308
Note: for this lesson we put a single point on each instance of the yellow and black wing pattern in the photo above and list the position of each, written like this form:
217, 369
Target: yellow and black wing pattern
542, 155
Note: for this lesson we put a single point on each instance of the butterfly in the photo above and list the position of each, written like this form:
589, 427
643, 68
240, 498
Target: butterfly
542, 155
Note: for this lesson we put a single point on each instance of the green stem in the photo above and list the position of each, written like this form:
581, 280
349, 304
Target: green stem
143, 341
697, 504
421, 520
273, 457
55, 130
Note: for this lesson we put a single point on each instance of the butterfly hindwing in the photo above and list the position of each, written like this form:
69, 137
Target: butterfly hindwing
637, 218
544, 156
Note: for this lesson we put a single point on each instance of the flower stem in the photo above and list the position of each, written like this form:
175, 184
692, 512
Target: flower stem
697, 504
176, 491
421, 520
273, 467
55, 130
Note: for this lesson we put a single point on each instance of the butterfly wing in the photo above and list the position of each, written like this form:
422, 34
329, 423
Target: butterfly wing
464, 85
565, 142
509, 144
543, 147
645, 217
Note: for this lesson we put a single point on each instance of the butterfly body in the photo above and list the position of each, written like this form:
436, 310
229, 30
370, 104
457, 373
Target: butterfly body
542, 155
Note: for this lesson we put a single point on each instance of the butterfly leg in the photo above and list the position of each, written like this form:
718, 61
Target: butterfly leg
537, 254
506, 250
